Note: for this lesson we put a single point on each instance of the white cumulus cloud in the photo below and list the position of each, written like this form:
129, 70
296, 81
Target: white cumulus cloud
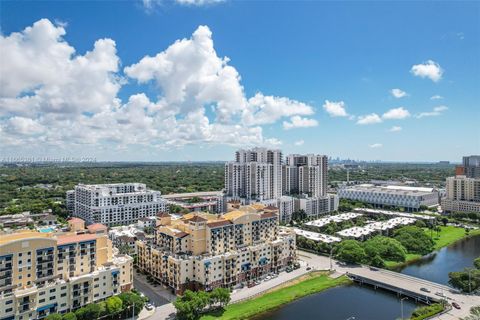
429, 69
376, 145
436, 97
299, 122
369, 119
437, 111
335, 109
398, 93
50, 96
396, 113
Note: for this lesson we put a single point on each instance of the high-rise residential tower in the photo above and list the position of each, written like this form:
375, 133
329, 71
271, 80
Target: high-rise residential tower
256, 174
471, 166
306, 174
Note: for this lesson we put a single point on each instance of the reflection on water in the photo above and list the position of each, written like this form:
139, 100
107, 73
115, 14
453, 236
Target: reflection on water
435, 267
341, 303
365, 303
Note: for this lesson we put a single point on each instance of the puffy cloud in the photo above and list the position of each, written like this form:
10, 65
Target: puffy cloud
396, 113
437, 111
436, 97
369, 119
299, 122
429, 69
262, 109
376, 145
335, 109
40, 73
299, 143
395, 129
53, 97
398, 93
24, 126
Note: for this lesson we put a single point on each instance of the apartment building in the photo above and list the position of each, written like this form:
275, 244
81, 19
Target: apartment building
471, 166
115, 204
315, 207
43, 273
211, 201
462, 194
306, 174
255, 174
204, 251
410, 198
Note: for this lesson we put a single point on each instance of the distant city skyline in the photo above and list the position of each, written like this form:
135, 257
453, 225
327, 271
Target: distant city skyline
196, 80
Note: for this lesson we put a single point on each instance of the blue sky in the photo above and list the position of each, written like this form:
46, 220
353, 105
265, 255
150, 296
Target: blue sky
292, 57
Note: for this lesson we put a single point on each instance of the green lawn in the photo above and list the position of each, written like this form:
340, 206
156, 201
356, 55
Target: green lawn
314, 283
447, 236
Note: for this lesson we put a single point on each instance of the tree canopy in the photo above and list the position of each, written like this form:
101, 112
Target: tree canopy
414, 240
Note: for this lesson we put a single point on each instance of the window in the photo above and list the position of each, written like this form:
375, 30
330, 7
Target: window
8, 302
8, 310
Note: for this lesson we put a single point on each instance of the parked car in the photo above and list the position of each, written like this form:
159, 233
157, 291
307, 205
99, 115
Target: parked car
149, 306
424, 290
455, 305
309, 268
440, 294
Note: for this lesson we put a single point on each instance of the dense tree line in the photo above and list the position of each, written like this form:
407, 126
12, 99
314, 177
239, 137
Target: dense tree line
467, 280
379, 249
38, 188
191, 305
121, 306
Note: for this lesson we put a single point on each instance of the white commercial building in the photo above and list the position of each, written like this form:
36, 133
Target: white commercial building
462, 194
116, 204
337, 218
317, 206
410, 198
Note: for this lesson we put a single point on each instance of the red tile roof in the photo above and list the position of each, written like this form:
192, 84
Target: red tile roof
96, 227
75, 238
75, 219
197, 219
220, 223
181, 234
267, 215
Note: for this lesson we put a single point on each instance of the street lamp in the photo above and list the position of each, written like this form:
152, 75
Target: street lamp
401, 305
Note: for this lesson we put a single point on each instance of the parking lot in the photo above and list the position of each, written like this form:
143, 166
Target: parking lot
157, 294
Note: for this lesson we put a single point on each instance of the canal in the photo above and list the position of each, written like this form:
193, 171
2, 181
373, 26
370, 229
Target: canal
355, 302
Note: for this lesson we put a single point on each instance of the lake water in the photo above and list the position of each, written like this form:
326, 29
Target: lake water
436, 266
355, 302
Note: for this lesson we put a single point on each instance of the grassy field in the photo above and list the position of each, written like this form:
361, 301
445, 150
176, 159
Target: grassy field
447, 236
309, 284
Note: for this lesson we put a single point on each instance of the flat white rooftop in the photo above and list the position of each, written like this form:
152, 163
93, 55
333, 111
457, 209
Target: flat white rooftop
316, 236
335, 218
357, 232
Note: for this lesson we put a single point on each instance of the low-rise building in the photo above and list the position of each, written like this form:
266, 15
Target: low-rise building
204, 251
209, 201
410, 198
315, 207
57, 272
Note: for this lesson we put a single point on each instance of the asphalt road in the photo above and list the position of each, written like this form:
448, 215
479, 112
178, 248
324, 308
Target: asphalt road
150, 291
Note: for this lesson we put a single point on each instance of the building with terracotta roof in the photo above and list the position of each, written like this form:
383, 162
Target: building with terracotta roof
58, 272
205, 251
